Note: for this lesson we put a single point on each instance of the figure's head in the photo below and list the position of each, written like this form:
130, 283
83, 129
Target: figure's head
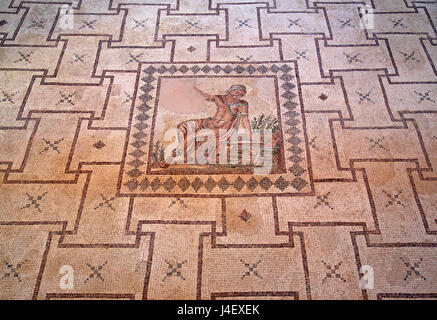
236, 91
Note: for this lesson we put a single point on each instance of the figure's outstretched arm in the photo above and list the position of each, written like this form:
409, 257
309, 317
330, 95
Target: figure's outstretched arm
204, 94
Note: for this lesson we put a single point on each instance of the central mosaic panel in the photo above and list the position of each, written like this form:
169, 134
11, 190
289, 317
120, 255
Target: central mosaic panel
178, 99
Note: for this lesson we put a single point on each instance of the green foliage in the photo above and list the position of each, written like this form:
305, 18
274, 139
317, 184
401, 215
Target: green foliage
158, 152
263, 122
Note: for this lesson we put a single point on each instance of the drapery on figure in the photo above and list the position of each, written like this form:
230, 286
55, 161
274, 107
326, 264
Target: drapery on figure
232, 114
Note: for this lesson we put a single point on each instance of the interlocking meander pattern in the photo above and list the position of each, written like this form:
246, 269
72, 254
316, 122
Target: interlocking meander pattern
350, 213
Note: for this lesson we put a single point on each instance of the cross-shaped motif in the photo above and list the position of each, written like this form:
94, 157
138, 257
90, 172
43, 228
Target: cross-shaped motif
376, 143
301, 54
7, 97
128, 98
412, 268
243, 23
345, 23
424, 96
176, 201
139, 23
393, 199
106, 202
134, 58
51, 145
66, 98
79, 58
34, 201
174, 270
24, 57
294, 22
95, 272
12, 271
88, 24
251, 269
312, 143
244, 59
192, 25
364, 97
352, 59
410, 56
398, 23
333, 271
323, 199
37, 24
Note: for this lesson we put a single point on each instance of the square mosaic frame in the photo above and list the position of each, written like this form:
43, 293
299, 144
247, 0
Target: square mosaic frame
136, 181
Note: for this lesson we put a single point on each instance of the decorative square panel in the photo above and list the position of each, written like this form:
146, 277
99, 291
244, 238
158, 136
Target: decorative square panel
167, 97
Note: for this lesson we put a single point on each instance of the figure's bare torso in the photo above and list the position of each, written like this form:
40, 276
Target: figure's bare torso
223, 117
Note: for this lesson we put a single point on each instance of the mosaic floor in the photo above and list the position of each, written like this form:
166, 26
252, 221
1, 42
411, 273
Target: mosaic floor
91, 208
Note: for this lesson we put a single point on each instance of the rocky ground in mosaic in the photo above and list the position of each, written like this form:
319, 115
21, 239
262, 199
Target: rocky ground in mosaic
89, 208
